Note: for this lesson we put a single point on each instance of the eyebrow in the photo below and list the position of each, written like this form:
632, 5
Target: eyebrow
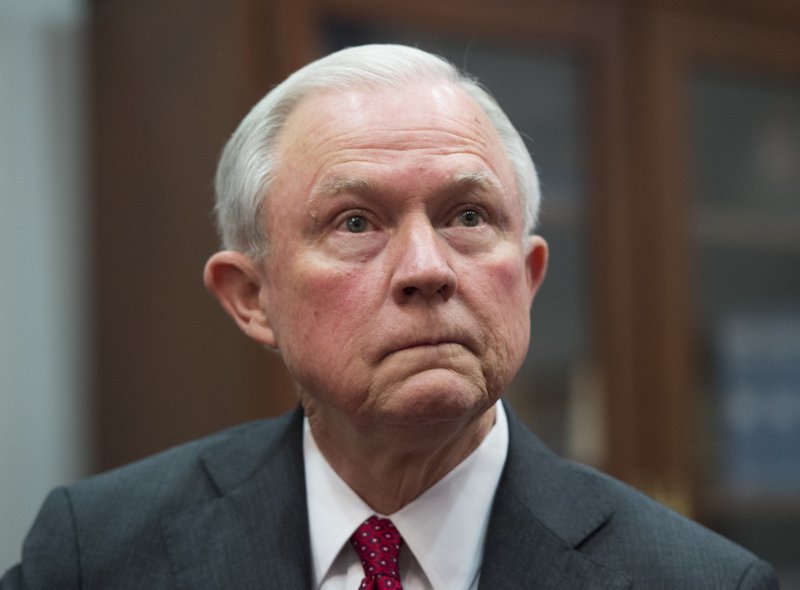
359, 185
340, 184
475, 180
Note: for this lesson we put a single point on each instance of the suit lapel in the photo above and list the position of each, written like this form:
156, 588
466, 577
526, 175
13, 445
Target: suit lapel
255, 533
542, 512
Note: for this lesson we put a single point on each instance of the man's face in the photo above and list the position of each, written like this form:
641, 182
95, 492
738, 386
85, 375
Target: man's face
398, 283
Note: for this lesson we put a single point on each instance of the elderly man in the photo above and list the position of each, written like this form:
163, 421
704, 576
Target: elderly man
377, 212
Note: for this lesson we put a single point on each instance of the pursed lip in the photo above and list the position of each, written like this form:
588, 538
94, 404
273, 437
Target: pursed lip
423, 342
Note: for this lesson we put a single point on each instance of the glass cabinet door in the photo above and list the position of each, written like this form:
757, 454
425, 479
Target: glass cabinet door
746, 183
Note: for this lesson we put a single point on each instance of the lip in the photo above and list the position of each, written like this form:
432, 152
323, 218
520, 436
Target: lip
426, 343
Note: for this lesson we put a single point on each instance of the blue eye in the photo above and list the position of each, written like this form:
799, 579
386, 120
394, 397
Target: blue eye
356, 224
469, 218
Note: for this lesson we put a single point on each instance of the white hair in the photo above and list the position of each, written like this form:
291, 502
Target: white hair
247, 167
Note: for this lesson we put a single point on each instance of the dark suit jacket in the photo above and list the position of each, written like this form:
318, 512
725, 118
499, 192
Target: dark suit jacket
228, 512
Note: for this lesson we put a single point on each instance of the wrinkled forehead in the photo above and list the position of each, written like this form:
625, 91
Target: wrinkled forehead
417, 106
434, 117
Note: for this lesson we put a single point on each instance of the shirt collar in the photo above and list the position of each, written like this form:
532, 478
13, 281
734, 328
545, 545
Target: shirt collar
445, 528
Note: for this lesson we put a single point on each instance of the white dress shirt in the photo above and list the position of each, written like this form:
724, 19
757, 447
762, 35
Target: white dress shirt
444, 529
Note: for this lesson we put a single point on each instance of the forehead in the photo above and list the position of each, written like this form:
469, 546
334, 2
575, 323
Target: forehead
423, 125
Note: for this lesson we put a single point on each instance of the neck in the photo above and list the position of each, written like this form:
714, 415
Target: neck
388, 467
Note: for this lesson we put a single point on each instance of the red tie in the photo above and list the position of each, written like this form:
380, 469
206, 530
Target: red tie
378, 544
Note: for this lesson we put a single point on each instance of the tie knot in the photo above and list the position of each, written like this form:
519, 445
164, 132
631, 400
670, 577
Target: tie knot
377, 544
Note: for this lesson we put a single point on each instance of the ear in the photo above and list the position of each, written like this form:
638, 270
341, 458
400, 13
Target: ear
536, 263
237, 282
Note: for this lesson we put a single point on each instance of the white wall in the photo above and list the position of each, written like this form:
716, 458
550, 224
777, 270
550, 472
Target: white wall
44, 337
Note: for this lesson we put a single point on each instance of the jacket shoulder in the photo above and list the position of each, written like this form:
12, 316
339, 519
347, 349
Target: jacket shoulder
106, 530
659, 548
610, 523
180, 475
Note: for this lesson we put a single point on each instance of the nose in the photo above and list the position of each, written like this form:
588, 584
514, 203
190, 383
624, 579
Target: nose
422, 269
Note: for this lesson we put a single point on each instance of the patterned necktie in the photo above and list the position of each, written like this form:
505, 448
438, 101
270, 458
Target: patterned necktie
378, 544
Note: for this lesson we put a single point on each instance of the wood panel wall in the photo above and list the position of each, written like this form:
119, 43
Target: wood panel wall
171, 80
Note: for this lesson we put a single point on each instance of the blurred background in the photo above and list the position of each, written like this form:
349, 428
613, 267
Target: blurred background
666, 340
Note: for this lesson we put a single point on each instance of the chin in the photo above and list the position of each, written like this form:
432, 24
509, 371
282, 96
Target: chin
435, 396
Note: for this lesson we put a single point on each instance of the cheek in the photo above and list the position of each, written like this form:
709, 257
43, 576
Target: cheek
507, 282
324, 314
507, 312
333, 296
